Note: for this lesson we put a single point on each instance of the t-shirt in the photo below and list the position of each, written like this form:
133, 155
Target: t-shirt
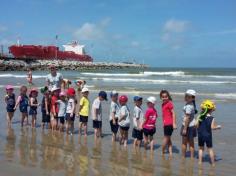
54, 81
62, 108
138, 115
84, 103
167, 115
150, 118
124, 111
70, 105
189, 110
114, 108
204, 128
54, 103
97, 105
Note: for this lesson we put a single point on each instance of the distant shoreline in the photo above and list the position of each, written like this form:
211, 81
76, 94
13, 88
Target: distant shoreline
12, 64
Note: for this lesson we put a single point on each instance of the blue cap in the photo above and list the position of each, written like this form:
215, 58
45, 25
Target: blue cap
137, 98
113, 93
103, 94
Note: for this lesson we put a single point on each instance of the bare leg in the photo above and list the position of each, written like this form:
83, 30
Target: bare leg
200, 154
135, 142
145, 142
151, 143
125, 138
85, 129
212, 156
170, 146
164, 144
184, 146
191, 147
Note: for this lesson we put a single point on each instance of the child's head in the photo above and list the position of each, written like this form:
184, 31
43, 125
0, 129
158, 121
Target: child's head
71, 92
23, 90
33, 93
102, 95
85, 92
151, 101
123, 99
190, 95
114, 96
138, 100
44, 90
9, 89
165, 96
62, 95
208, 106
55, 91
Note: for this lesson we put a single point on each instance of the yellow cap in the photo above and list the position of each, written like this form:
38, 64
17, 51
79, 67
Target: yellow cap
208, 104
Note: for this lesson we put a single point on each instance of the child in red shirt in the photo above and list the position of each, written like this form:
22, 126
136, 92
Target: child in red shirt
149, 125
54, 108
169, 120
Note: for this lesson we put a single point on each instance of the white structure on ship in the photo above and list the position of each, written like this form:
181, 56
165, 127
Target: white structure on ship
75, 47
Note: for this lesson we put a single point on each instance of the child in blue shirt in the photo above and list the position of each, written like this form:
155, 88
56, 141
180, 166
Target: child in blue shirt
10, 101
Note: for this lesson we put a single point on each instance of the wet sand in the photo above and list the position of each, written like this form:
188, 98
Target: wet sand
27, 151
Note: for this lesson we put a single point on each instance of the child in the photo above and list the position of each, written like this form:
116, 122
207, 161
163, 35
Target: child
33, 106
10, 101
205, 125
54, 108
45, 106
30, 77
114, 114
70, 111
84, 111
137, 133
23, 102
169, 120
62, 103
149, 125
124, 120
97, 114
188, 130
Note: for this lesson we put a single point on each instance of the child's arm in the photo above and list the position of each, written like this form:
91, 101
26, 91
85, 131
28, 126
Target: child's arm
73, 109
17, 102
46, 105
32, 102
81, 104
6, 99
214, 126
174, 119
186, 123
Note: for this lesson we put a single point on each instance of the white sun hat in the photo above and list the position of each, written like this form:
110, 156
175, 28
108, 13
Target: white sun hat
85, 89
191, 92
152, 100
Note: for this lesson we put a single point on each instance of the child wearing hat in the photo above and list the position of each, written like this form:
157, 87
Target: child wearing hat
137, 133
33, 106
54, 108
97, 114
149, 125
62, 104
84, 111
205, 124
45, 107
10, 101
70, 111
23, 102
114, 114
124, 119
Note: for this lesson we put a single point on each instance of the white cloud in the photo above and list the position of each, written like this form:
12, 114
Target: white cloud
92, 31
176, 26
3, 28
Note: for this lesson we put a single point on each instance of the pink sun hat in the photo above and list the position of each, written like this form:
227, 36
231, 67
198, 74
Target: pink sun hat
62, 94
8, 87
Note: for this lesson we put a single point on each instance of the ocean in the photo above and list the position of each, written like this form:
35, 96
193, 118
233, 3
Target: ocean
33, 151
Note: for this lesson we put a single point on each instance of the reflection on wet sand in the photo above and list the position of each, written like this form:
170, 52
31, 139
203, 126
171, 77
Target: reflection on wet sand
10, 145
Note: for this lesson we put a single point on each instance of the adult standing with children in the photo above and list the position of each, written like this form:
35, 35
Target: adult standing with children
54, 79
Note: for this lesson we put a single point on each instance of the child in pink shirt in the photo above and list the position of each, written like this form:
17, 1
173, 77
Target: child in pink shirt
149, 125
169, 120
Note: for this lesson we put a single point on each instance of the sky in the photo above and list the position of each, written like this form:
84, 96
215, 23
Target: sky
161, 33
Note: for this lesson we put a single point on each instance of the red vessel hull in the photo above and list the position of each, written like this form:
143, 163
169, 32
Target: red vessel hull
46, 52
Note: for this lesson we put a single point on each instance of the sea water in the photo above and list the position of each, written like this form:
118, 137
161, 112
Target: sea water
26, 151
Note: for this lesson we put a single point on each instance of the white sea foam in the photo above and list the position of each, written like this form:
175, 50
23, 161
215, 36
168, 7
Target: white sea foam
225, 95
20, 76
170, 73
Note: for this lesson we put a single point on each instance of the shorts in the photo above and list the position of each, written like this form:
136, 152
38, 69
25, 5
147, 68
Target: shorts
149, 132
62, 119
205, 140
137, 134
24, 110
124, 128
53, 117
191, 132
83, 119
32, 112
114, 128
45, 118
69, 118
97, 124
168, 130
9, 109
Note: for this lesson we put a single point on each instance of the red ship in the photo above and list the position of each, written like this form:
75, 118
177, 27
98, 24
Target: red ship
73, 51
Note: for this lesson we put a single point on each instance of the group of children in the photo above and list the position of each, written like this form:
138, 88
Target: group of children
58, 110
